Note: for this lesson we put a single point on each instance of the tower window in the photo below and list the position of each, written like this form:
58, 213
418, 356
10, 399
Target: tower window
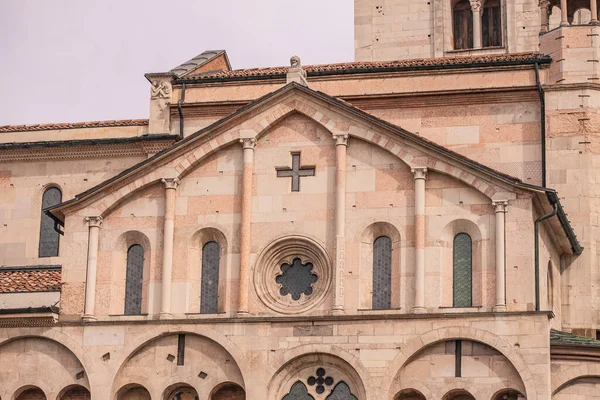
209, 285
49, 238
463, 25
463, 268
491, 24
382, 273
134, 280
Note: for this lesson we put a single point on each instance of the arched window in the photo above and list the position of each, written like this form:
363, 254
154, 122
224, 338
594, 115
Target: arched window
462, 279
382, 273
49, 238
209, 285
298, 392
491, 24
133, 280
463, 25
341, 391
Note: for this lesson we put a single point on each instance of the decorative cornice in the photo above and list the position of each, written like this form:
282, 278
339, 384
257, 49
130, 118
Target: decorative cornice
74, 125
72, 150
419, 172
94, 221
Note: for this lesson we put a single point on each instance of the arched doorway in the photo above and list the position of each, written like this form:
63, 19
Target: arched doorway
409, 394
459, 394
181, 392
30, 393
75, 392
228, 391
133, 392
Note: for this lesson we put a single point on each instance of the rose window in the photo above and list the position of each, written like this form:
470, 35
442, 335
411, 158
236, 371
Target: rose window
296, 279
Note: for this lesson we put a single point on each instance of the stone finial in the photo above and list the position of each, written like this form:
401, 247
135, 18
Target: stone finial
296, 73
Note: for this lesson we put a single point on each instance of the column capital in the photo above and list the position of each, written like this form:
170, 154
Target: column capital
475, 5
94, 221
419, 172
500, 206
248, 143
544, 3
170, 183
341, 139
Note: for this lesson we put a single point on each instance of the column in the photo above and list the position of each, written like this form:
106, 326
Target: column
92, 263
476, 8
544, 12
500, 208
420, 175
341, 147
594, 11
564, 18
245, 231
169, 229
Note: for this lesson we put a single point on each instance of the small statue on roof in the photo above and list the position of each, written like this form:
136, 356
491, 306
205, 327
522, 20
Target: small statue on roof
295, 62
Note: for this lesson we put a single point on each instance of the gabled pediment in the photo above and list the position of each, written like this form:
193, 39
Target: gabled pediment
336, 116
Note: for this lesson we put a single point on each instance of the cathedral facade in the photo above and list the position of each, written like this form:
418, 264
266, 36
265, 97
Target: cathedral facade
419, 224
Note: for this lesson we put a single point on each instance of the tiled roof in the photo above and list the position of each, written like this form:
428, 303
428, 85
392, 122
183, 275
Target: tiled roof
24, 279
374, 66
559, 338
74, 125
196, 62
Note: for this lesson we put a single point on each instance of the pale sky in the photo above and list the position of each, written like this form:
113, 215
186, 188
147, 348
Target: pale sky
84, 60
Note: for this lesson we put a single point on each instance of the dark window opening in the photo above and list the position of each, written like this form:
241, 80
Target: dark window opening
463, 25
382, 273
209, 286
462, 271
134, 280
49, 238
491, 24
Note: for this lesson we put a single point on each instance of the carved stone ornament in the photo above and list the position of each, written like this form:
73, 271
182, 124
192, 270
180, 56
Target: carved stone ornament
170, 183
475, 5
500, 206
419, 173
315, 276
248, 143
160, 90
544, 3
295, 62
94, 221
341, 140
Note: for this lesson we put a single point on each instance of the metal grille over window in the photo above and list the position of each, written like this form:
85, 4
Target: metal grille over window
296, 279
382, 273
134, 279
298, 392
341, 392
462, 270
49, 238
209, 288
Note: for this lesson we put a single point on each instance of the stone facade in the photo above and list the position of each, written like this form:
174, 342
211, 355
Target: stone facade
257, 197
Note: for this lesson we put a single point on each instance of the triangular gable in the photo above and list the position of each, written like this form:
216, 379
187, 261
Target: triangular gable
210, 61
256, 118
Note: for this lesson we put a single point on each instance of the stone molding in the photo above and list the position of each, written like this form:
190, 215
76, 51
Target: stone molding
341, 140
284, 250
248, 143
170, 183
83, 152
500, 206
94, 221
419, 173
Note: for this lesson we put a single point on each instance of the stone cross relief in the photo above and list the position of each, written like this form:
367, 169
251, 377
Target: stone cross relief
295, 172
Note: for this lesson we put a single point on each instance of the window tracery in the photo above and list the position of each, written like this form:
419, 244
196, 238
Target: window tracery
296, 279
382, 273
209, 285
462, 271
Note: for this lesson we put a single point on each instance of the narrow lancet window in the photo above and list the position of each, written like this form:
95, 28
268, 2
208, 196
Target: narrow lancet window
134, 279
49, 238
209, 286
491, 24
463, 25
382, 273
462, 271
